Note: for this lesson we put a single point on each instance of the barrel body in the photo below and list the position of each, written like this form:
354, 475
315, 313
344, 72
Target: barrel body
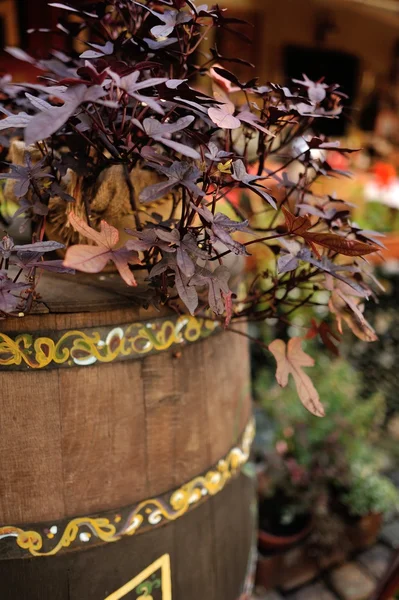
123, 444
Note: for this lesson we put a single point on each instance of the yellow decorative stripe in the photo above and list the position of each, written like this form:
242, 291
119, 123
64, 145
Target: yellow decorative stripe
100, 344
141, 584
83, 531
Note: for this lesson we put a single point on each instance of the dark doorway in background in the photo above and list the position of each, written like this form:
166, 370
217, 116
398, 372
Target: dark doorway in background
335, 67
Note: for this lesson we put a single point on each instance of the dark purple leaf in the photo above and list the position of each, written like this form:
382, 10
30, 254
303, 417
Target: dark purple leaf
158, 45
188, 294
223, 116
218, 57
179, 173
217, 282
147, 239
17, 121
286, 263
219, 227
180, 148
98, 51
38, 103
56, 190
63, 6
8, 302
233, 79
160, 132
39, 208
240, 174
131, 86
247, 117
316, 142
39, 247
6, 246
49, 121
187, 250
215, 154
20, 54
185, 262
24, 175
30, 260
170, 20
323, 213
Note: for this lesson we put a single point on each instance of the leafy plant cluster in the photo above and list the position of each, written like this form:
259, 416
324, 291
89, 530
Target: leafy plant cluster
378, 362
370, 492
320, 464
143, 116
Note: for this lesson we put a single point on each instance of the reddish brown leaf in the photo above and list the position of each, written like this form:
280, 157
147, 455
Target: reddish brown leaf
346, 309
301, 225
313, 330
340, 244
290, 359
296, 225
326, 334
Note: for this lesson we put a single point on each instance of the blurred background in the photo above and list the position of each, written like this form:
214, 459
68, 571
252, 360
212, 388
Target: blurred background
327, 488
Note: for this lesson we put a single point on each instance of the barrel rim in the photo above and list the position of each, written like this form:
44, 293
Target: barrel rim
100, 344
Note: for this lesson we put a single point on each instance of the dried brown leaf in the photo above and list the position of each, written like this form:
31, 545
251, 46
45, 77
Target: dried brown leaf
290, 359
92, 259
346, 309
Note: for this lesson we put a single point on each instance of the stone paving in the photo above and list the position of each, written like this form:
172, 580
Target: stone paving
355, 579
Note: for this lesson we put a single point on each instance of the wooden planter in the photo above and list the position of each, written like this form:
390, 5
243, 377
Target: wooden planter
122, 441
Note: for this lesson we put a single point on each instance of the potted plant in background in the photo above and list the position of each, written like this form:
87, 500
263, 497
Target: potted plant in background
368, 498
324, 469
125, 161
284, 512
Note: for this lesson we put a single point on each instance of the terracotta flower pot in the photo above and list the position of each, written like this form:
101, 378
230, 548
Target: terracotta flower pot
269, 542
268, 570
363, 532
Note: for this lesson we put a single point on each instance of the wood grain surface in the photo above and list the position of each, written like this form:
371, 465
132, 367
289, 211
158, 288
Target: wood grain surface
82, 440
86, 439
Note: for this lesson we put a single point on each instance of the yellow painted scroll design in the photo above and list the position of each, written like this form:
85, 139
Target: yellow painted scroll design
192, 492
32, 541
83, 348
147, 514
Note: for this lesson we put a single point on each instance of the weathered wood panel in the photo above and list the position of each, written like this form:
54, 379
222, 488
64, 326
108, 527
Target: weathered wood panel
208, 550
80, 436
107, 435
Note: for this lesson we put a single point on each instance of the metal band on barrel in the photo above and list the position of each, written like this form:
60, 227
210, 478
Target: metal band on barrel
49, 539
80, 348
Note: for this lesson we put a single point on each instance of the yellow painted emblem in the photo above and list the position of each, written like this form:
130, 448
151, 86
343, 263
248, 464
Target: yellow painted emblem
139, 583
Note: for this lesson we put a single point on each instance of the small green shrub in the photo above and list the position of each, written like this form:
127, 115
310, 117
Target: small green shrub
370, 492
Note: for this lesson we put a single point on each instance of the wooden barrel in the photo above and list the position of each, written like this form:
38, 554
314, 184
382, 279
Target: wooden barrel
123, 441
